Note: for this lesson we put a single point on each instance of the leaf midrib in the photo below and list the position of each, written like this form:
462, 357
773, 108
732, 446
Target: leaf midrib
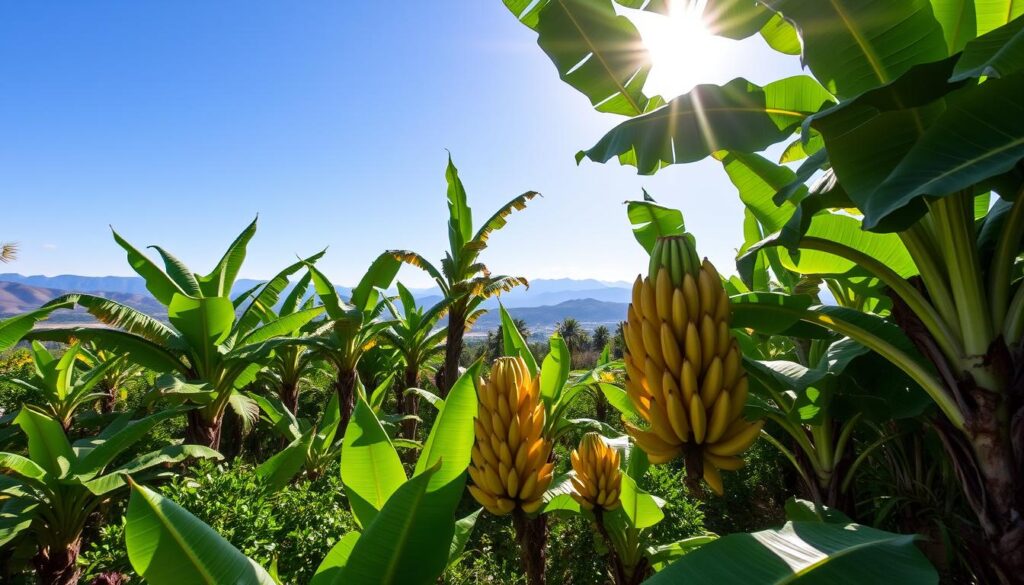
597, 55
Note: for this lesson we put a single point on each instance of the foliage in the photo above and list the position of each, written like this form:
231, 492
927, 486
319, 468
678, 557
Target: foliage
912, 115
207, 352
464, 280
50, 495
295, 525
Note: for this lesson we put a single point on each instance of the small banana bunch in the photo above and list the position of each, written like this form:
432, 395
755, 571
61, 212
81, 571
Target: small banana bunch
683, 366
598, 478
510, 466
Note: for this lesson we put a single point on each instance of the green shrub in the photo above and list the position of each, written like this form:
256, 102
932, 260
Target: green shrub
296, 526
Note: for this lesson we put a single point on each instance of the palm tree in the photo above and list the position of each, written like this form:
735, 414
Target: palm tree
600, 338
414, 334
464, 281
576, 338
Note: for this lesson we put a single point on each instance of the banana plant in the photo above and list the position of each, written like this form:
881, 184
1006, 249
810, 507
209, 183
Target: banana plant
351, 328
290, 366
623, 525
464, 280
310, 446
416, 337
113, 382
50, 495
207, 353
61, 389
409, 532
906, 140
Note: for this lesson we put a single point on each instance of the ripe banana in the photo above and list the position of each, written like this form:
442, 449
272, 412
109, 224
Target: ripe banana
597, 479
683, 366
509, 464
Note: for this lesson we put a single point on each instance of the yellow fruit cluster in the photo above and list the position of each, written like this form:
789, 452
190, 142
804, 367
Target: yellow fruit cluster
683, 366
598, 479
510, 466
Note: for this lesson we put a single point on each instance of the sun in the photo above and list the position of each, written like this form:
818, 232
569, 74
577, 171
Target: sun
683, 52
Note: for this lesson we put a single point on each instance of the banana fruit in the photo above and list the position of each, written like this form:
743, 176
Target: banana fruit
510, 465
684, 371
598, 480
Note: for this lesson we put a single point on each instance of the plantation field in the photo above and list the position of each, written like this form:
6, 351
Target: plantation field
840, 402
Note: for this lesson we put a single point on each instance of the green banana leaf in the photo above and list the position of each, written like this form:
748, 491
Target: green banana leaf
514, 344
739, 115
408, 542
554, 370
370, 467
806, 553
854, 45
168, 546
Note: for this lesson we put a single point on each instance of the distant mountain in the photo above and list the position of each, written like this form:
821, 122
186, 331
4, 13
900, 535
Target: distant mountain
548, 301
542, 320
17, 298
131, 285
541, 292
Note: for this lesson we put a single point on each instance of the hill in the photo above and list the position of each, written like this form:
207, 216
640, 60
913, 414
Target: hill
17, 298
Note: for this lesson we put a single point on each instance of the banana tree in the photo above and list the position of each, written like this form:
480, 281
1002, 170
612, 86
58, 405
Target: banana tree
416, 337
351, 328
290, 366
207, 353
60, 388
465, 282
310, 446
51, 494
622, 520
113, 381
912, 112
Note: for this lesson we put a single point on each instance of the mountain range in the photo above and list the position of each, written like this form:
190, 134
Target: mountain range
546, 302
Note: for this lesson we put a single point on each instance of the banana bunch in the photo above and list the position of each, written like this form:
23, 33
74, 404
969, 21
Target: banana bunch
510, 466
598, 479
683, 368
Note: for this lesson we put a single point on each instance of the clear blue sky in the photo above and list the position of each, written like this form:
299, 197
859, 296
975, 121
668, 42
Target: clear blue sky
177, 122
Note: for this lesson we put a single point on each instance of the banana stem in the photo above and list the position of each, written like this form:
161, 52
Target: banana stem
911, 296
823, 442
928, 382
796, 431
920, 245
532, 536
956, 226
1002, 261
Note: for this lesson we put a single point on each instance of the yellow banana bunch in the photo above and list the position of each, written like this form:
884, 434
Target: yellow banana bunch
510, 466
683, 366
598, 479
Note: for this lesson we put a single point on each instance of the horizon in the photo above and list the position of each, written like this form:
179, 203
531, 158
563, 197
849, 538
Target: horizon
176, 129
608, 283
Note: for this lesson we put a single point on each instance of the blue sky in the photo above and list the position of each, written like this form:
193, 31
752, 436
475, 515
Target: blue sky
178, 122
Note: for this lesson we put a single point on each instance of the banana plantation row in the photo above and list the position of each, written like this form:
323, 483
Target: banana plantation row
873, 329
